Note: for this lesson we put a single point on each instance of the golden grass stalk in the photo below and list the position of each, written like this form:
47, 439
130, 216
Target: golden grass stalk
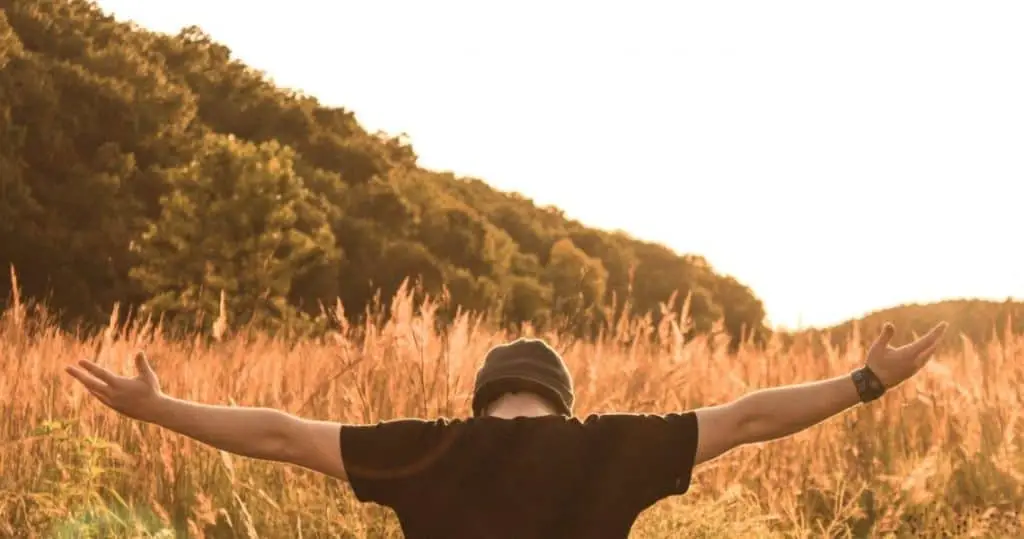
940, 457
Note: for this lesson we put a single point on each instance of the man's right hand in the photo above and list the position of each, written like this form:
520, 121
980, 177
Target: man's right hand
137, 398
262, 433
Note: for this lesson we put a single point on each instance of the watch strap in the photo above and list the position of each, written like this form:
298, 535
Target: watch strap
869, 387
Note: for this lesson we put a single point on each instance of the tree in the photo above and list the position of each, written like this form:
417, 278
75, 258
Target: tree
108, 131
239, 220
527, 300
578, 281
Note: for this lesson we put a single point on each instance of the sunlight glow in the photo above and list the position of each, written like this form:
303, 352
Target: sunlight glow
836, 157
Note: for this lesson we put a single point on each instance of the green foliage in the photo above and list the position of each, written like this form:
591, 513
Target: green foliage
238, 219
528, 300
407, 258
73, 494
10, 45
577, 281
150, 169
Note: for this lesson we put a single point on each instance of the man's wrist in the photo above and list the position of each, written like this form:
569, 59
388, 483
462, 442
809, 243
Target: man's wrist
153, 409
869, 385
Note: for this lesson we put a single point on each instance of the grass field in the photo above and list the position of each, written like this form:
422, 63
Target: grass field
939, 457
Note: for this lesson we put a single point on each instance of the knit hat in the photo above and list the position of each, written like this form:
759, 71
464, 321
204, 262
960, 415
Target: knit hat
523, 365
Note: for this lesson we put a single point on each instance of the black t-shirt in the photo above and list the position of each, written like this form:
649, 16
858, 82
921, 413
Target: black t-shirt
523, 478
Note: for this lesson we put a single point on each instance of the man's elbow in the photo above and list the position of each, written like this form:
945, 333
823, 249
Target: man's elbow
758, 421
752, 422
725, 427
311, 444
275, 440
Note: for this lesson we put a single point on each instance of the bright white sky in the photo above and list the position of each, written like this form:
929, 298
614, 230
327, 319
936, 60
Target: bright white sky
838, 157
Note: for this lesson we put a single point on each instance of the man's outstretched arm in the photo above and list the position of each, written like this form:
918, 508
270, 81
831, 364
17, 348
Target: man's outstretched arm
774, 413
261, 433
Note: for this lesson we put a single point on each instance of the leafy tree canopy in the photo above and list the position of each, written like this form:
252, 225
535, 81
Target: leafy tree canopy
157, 171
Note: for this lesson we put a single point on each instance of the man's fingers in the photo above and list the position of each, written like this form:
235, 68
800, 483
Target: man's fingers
99, 372
101, 397
142, 364
883, 338
92, 384
929, 340
925, 355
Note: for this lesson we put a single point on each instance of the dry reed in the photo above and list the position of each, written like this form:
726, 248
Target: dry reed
939, 457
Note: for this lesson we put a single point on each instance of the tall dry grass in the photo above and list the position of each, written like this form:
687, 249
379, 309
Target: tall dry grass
939, 457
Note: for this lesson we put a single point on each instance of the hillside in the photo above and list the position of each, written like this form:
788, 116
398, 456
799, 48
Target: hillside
157, 171
980, 321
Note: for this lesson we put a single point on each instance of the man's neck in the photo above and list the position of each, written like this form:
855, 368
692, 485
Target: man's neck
514, 405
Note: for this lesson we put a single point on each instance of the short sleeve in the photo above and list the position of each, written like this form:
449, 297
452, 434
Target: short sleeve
652, 455
390, 461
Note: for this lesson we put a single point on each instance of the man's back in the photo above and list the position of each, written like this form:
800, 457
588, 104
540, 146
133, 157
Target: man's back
492, 476
550, 476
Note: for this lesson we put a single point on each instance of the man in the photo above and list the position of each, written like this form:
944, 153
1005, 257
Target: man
522, 466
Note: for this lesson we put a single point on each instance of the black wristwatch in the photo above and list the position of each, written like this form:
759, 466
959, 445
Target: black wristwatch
869, 387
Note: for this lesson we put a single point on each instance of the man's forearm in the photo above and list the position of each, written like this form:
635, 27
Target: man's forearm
251, 432
781, 411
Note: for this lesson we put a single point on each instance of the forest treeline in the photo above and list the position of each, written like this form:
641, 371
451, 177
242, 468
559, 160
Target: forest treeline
157, 171
979, 321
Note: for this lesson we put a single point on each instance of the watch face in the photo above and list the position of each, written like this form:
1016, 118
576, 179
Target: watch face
867, 388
